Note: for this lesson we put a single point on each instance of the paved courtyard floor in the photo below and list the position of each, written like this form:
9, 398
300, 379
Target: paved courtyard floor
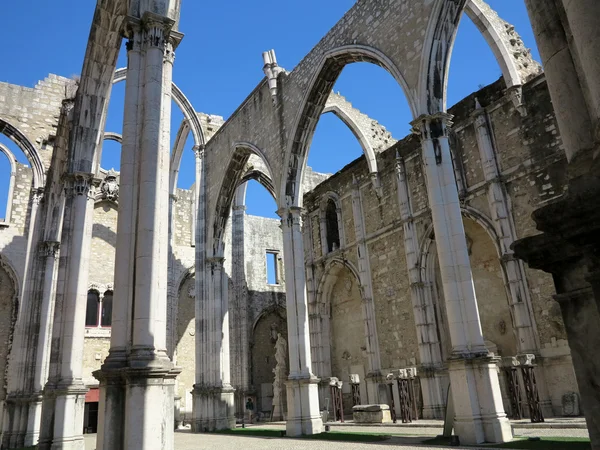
404, 437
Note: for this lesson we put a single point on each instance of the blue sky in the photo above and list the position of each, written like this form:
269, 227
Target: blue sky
219, 62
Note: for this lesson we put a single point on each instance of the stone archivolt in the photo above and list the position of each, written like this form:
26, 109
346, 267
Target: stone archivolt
424, 267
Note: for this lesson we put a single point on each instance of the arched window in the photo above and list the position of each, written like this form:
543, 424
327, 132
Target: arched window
106, 310
93, 307
7, 182
332, 228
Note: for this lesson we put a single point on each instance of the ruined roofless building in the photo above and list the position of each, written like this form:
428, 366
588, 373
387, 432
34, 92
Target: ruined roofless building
408, 257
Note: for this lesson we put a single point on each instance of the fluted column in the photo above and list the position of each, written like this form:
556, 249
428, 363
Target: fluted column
137, 379
479, 413
214, 395
368, 305
425, 321
302, 386
49, 251
504, 225
68, 389
239, 309
19, 386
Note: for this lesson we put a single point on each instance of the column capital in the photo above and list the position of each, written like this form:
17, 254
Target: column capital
79, 183
479, 115
199, 150
432, 126
37, 194
49, 249
216, 262
291, 215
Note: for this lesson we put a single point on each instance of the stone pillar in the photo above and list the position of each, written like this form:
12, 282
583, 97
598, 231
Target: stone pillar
373, 376
137, 379
498, 201
213, 394
239, 311
19, 388
302, 386
568, 250
479, 414
67, 390
425, 320
585, 44
318, 316
561, 72
49, 251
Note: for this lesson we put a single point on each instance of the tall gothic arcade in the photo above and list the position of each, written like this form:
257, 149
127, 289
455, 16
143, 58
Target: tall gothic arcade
461, 251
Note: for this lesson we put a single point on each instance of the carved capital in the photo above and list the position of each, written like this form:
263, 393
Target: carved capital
37, 195
109, 188
199, 151
77, 184
50, 249
433, 126
291, 216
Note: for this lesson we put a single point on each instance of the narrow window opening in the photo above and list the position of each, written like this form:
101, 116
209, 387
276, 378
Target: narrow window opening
106, 314
93, 306
272, 272
333, 230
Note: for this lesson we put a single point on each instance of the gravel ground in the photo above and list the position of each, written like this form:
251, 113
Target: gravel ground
409, 439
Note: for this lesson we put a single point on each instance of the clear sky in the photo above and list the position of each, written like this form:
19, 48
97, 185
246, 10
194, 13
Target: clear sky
219, 62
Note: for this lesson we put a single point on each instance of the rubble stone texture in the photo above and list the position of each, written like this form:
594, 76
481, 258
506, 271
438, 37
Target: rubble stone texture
407, 257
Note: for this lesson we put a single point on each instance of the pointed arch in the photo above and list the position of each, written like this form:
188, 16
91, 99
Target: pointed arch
358, 132
31, 153
329, 68
234, 174
11, 183
439, 43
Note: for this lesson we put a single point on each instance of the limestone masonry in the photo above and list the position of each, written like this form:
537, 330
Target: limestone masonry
461, 257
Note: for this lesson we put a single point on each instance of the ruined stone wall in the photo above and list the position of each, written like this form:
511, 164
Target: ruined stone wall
8, 290
35, 111
529, 156
186, 344
262, 234
13, 234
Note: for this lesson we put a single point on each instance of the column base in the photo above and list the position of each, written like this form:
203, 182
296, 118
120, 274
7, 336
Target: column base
373, 382
304, 417
34, 420
479, 413
149, 408
67, 403
15, 422
214, 408
434, 386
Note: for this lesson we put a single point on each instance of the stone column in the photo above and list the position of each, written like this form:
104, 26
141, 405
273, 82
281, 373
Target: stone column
585, 44
68, 390
425, 320
560, 70
568, 250
318, 316
49, 251
19, 386
214, 396
479, 414
373, 376
302, 386
498, 201
239, 311
137, 380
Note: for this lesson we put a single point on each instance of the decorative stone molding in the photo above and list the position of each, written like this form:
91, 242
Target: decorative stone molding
199, 151
50, 249
109, 188
433, 127
77, 184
